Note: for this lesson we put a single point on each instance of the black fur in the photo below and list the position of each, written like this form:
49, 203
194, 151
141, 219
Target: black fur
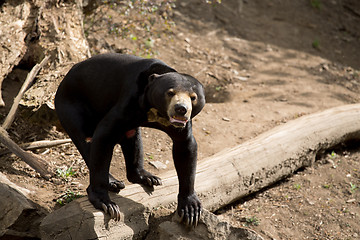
104, 100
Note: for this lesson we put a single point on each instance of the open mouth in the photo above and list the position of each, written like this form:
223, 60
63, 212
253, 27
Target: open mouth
178, 121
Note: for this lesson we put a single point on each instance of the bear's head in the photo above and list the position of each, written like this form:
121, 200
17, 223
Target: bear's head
176, 97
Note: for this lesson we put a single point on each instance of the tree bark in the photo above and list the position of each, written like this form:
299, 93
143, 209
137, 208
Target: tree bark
61, 36
14, 27
220, 180
30, 30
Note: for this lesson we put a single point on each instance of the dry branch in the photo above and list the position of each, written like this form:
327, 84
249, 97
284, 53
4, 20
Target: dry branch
29, 79
221, 179
39, 145
31, 159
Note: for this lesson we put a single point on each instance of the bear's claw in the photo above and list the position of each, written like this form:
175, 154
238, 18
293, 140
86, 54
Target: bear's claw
113, 210
189, 210
145, 178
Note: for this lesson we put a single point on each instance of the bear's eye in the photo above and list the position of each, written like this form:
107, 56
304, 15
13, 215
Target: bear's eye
193, 97
171, 93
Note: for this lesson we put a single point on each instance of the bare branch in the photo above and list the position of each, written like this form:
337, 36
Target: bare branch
39, 145
30, 77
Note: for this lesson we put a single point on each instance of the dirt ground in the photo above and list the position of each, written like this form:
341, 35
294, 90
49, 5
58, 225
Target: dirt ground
263, 64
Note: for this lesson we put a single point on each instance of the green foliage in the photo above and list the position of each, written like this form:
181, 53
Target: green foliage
65, 173
353, 187
211, 2
316, 44
218, 88
67, 197
297, 186
252, 221
315, 4
149, 43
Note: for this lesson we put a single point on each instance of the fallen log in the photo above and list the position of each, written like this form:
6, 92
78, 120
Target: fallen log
221, 179
31, 159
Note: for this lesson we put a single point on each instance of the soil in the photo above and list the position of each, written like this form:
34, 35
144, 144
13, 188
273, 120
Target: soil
262, 64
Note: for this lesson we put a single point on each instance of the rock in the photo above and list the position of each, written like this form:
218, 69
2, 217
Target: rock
209, 227
158, 164
5, 180
80, 220
241, 78
19, 217
226, 119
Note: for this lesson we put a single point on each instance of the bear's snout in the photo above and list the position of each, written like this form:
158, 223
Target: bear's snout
180, 109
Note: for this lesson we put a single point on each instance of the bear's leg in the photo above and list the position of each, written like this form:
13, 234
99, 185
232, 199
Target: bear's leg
185, 158
80, 126
77, 123
134, 158
102, 146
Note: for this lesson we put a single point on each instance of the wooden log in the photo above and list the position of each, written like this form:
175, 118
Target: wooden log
31, 159
220, 180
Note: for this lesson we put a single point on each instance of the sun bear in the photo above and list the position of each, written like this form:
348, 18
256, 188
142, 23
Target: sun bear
104, 100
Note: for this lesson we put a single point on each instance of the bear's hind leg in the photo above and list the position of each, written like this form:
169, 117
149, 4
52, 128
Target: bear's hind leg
115, 185
80, 126
74, 120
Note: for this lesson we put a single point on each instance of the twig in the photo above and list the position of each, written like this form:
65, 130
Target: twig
352, 10
31, 159
38, 145
30, 77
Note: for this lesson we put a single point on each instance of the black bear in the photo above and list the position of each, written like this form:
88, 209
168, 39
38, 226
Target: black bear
104, 100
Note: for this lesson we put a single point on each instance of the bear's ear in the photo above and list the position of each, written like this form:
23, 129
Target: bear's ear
152, 77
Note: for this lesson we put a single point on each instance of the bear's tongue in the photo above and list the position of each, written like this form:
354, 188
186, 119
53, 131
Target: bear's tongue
178, 121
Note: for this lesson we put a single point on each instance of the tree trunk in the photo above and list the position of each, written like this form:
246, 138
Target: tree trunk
61, 36
220, 180
14, 26
30, 30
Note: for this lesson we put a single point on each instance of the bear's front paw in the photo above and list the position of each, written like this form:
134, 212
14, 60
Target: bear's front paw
189, 209
144, 177
101, 200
